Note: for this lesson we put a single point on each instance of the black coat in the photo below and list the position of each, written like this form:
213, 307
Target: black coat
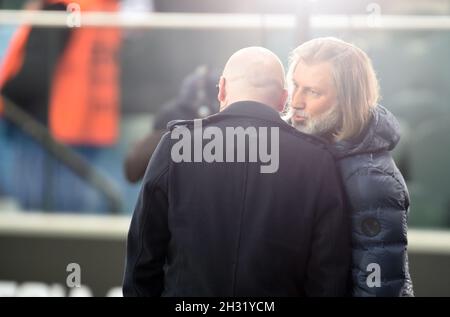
225, 229
379, 202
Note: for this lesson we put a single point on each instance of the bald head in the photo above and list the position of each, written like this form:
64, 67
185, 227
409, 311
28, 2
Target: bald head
253, 73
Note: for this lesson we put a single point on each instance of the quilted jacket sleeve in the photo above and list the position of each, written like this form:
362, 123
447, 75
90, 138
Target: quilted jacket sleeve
380, 202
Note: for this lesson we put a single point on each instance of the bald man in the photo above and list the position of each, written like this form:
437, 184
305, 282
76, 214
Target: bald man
255, 74
240, 203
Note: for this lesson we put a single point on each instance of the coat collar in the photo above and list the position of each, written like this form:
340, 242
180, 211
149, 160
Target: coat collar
251, 109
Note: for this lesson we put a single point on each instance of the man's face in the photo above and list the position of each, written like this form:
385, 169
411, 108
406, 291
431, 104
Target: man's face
314, 99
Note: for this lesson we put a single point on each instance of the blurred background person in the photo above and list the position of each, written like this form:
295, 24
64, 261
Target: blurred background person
67, 79
197, 98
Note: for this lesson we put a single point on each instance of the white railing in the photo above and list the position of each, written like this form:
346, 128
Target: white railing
223, 21
116, 227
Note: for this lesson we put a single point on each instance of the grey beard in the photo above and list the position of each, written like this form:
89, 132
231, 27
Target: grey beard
322, 124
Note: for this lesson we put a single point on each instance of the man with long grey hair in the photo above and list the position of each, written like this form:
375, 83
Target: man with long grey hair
333, 94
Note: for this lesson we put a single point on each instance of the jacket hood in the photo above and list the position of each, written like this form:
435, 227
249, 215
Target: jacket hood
381, 134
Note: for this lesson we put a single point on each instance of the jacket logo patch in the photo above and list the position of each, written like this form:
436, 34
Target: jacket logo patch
370, 227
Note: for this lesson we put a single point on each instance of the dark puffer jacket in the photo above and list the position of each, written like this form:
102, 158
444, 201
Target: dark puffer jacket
379, 202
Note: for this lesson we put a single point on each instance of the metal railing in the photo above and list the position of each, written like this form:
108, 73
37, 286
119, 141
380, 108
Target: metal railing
63, 153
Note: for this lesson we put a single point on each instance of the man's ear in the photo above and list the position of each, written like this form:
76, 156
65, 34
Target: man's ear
222, 93
283, 100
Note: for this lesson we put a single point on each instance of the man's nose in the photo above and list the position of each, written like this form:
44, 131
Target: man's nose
299, 101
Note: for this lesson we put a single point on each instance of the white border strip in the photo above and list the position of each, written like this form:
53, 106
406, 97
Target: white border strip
224, 21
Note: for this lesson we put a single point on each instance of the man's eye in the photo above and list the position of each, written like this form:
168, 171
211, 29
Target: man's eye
314, 93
